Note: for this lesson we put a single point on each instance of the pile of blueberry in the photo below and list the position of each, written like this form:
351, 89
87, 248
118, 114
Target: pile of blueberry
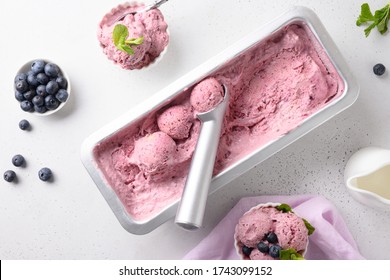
45, 174
42, 88
267, 246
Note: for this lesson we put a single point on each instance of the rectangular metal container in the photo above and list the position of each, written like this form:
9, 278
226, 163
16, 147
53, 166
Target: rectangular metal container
299, 15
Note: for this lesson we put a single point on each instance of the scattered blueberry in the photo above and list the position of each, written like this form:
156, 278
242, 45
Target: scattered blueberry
379, 69
263, 247
62, 82
38, 100
18, 160
28, 95
26, 106
274, 251
41, 90
32, 80
38, 66
19, 96
272, 238
24, 124
52, 70
52, 87
246, 250
9, 175
42, 78
62, 95
21, 86
45, 174
51, 102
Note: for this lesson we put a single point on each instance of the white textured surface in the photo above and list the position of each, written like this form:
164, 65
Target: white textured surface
69, 219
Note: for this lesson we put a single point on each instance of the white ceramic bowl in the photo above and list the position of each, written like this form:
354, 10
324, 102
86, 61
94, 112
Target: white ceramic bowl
27, 67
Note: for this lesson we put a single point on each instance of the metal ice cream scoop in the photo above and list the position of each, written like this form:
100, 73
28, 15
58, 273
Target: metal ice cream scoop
193, 201
155, 5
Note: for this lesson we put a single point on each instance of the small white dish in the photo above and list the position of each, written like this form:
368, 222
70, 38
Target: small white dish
27, 67
367, 177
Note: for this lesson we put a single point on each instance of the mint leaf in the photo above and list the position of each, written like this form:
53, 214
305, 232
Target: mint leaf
290, 254
127, 49
379, 20
119, 35
309, 227
367, 31
284, 208
135, 41
365, 15
383, 17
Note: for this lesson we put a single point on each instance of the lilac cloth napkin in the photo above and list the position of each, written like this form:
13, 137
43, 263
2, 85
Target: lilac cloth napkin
330, 241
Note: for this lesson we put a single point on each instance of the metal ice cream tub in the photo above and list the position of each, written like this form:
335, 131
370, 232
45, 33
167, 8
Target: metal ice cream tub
298, 15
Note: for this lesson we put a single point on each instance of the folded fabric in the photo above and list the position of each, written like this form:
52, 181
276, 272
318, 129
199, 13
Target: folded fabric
330, 241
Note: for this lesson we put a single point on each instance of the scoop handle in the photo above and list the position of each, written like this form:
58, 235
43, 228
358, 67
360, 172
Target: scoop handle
193, 201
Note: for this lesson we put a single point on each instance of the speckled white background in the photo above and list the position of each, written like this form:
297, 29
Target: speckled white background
69, 219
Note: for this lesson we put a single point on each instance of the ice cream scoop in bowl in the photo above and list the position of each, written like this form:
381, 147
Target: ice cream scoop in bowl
131, 41
211, 114
272, 231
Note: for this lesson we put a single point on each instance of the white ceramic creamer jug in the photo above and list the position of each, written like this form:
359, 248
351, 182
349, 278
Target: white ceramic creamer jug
367, 177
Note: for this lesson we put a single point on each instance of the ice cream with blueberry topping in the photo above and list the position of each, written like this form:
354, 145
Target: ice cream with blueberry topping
271, 232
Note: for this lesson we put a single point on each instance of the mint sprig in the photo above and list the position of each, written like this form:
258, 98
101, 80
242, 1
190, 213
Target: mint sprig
309, 227
290, 254
284, 208
119, 37
379, 19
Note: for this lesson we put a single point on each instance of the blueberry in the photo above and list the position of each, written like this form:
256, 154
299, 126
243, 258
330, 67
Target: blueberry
62, 82
38, 100
41, 90
62, 95
19, 96
42, 78
52, 87
379, 69
24, 124
38, 66
246, 250
21, 77
272, 238
45, 174
274, 251
29, 95
51, 102
40, 109
21, 86
26, 106
52, 70
263, 247
32, 80
18, 160
9, 175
